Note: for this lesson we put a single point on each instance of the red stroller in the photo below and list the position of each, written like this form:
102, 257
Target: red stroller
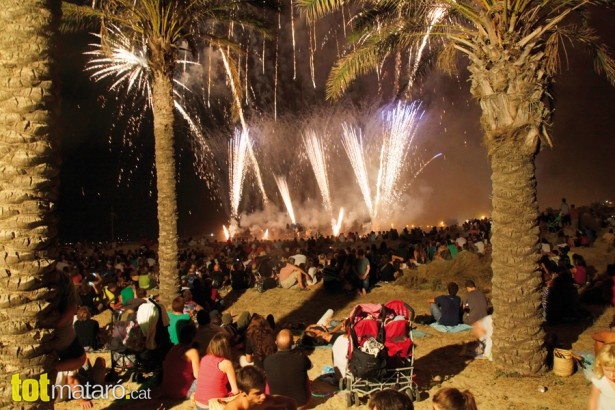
381, 351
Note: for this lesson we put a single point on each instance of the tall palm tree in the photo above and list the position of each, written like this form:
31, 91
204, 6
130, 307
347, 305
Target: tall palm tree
512, 49
162, 27
28, 188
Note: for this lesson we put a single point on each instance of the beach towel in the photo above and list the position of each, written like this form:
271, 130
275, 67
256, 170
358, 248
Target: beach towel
462, 327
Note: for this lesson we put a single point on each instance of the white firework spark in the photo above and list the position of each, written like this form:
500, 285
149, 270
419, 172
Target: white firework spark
122, 58
400, 130
244, 126
337, 225
283, 187
433, 17
352, 140
238, 152
316, 154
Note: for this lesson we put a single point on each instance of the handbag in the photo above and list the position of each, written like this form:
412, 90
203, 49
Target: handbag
367, 365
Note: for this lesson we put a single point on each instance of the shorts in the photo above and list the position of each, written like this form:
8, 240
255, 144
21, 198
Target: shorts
290, 281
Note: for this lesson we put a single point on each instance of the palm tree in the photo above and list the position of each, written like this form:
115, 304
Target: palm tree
162, 27
28, 188
512, 49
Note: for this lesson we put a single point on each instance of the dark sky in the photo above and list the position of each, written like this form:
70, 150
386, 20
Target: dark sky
456, 187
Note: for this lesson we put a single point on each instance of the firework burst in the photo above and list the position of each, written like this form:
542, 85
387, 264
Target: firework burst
238, 152
123, 59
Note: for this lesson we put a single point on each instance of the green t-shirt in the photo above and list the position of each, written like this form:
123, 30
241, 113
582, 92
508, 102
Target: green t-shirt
126, 294
176, 322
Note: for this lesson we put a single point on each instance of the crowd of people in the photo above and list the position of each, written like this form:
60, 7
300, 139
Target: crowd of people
205, 354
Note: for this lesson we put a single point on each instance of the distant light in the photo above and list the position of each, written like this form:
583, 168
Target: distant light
482, 217
211, 234
441, 223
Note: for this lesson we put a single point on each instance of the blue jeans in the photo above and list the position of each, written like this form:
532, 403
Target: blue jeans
192, 389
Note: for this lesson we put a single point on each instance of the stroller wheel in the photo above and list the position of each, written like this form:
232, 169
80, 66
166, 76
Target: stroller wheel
349, 399
342, 383
412, 393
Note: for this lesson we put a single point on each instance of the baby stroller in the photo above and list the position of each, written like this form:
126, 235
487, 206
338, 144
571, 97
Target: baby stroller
127, 345
131, 357
381, 351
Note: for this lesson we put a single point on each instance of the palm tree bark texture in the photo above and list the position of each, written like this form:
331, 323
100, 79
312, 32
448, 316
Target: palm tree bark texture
510, 88
162, 105
28, 186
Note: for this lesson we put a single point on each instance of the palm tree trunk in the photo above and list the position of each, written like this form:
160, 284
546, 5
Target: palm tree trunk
162, 102
513, 116
28, 187
518, 336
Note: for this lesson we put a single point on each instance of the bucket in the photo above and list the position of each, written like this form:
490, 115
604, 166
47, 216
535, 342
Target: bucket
563, 363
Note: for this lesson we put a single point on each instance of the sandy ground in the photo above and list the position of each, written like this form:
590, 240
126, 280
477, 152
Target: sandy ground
438, 361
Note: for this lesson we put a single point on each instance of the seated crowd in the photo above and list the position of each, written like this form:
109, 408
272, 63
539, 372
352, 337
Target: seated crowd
199, 348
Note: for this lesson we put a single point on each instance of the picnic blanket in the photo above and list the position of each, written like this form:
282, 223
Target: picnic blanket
462, 327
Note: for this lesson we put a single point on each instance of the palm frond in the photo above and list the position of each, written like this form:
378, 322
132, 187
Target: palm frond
348, 68
315, 9
604, 62
77, 18
447, 59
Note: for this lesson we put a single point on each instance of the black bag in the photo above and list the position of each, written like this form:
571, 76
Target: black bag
368, 366
269, 283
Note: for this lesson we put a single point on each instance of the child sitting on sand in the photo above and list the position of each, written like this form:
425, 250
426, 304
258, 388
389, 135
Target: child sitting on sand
602, 396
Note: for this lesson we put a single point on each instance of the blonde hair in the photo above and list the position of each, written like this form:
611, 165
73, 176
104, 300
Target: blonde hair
604, 358
219, 346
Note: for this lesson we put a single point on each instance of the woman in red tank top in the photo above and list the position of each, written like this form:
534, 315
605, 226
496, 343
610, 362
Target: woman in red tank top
181, 367
216, 373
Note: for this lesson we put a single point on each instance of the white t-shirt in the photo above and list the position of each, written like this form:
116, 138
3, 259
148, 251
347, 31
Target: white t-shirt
312, 273
606, 401
299, 259
340, 352
480, 246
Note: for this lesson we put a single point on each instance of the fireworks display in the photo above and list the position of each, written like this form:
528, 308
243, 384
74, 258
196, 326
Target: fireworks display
357, 156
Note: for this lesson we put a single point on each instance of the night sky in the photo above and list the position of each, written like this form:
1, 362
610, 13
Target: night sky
94, 200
